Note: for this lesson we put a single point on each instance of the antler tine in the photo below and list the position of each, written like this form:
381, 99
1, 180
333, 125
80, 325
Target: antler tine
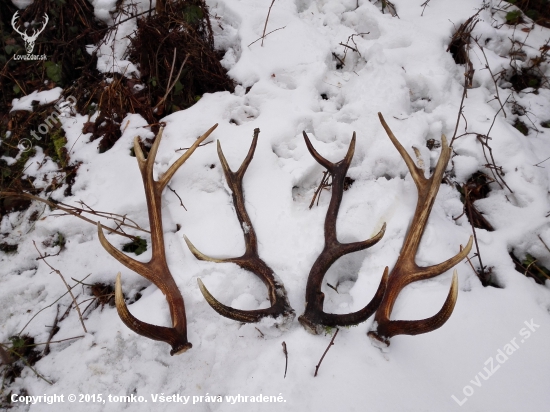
406, 270
416, 173
250, 260
246, 316
127, 261
156, 270
314, 318
320, 159
432, 271
172, 169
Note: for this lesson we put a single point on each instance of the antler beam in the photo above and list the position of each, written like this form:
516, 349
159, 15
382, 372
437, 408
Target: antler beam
250, 260
314, 319
406, 270
156, 270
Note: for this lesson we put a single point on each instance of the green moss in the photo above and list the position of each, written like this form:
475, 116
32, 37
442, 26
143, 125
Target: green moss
514, 17
532, 14
540, 272
328, 330
57, 151
522, 127
60, 241
25, 156
137, 246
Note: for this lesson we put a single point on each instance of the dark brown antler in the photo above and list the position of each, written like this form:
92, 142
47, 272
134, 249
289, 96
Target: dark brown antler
314, 318
406, 270
156, 270
250, 260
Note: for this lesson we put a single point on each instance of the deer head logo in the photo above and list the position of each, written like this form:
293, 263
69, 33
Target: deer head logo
29, 40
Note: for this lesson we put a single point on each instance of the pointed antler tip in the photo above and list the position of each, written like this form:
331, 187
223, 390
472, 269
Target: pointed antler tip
119, 297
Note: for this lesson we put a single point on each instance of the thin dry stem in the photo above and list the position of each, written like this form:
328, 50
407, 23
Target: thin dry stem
326, 350
266, 19
69, 289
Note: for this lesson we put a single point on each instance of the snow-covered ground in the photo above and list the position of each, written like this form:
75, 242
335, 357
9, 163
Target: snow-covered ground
401, 69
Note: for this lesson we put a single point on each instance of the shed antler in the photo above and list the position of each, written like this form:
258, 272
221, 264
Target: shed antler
314, 318
406, 270
156, 270
250, 260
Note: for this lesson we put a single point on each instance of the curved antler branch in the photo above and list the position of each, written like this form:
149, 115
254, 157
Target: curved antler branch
169, 335
406, 270
416, 327
314, 318
250, 260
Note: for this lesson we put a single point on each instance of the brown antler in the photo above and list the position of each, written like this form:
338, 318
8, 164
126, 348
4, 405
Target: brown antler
250, 260
406, 270
156, 270
314, 318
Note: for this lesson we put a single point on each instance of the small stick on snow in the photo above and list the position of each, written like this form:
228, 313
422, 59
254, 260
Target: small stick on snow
76, 212
425, 4
53, 330
49, 306
69, 289
323, 357
544, 243
264, 36
286, 357
266, 19
176, 193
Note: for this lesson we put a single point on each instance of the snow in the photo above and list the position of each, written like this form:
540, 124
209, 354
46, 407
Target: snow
44, 97
404, 72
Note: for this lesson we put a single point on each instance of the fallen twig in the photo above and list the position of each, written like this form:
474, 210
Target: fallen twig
485, 280
26, 363
261, 333
77, 213
266, 19
201, 145
264, 36
322, 185
286, 357
49, 306
176, 193
492, 76
425, 4
323, 357
349, 47
66, 285
53, 330
544, 243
